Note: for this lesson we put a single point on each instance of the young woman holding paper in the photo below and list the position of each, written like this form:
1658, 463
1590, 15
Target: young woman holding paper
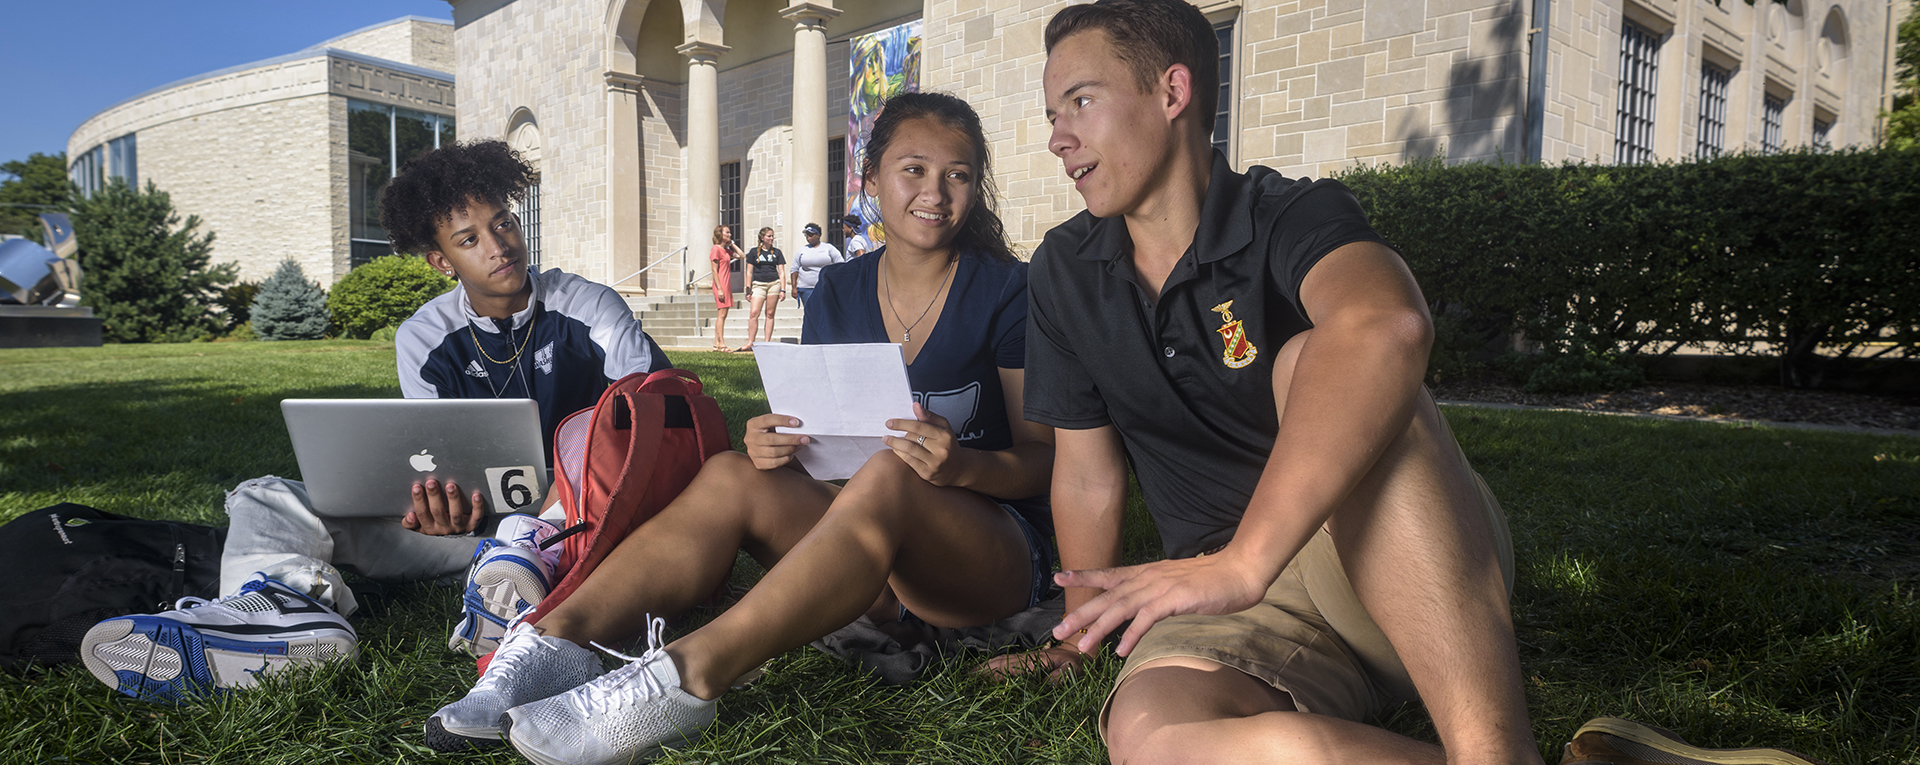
947, 524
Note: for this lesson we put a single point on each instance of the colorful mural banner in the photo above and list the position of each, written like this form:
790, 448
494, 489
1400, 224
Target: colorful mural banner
882, 65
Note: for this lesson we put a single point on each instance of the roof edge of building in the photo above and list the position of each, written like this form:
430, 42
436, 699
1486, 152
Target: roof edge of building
390, 22
299, 55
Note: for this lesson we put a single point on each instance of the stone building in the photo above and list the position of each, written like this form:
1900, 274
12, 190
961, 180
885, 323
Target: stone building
653, 120
285, 158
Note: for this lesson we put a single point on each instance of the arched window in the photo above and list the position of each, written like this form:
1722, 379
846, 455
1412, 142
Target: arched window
523, 134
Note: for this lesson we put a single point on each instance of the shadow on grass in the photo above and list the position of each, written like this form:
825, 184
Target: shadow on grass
1738, 585
147, 448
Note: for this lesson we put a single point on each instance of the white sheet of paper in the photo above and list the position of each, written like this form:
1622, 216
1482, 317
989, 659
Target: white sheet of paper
841, 394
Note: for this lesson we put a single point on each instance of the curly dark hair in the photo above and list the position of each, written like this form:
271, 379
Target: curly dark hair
432, 186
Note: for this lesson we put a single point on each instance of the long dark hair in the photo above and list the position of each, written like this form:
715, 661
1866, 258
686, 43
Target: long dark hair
982, 231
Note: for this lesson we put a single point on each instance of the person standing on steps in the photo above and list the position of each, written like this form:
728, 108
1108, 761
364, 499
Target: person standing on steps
769, 286
723, 254
809, 260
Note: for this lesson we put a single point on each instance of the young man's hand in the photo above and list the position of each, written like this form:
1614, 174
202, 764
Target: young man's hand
1147, 593
769, 449
440, 509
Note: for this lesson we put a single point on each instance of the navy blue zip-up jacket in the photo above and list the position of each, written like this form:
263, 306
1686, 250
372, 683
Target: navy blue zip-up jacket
573, 339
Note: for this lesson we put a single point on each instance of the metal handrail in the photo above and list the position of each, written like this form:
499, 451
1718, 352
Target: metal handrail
643, 269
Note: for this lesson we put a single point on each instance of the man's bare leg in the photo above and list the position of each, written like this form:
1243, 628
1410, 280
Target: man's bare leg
1182, 709
1417, 517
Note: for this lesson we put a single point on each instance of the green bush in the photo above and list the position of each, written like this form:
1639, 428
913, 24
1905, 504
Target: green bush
146, 273
289, 307
1581, 370
383, 293
1808, 255
237, 302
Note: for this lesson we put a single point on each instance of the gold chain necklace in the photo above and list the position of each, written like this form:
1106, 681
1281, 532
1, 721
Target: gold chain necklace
906, 331
516, 351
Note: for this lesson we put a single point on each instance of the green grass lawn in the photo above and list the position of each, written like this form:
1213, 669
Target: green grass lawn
1739, 585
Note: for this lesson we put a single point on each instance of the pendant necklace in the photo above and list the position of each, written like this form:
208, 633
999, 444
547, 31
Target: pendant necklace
906, 331
512, 367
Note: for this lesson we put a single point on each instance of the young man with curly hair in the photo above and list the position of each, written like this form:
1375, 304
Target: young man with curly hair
505, 331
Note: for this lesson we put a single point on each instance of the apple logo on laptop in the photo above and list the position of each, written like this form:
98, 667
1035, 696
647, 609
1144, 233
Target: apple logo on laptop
422, 462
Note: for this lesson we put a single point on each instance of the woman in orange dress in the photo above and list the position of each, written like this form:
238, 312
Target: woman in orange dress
723, 254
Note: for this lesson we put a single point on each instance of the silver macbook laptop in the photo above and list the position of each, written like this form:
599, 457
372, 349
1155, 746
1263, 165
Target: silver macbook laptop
360, 457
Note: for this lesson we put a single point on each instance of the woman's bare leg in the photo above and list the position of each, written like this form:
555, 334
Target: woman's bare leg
753, 318
720, 328
676, 559
952, 556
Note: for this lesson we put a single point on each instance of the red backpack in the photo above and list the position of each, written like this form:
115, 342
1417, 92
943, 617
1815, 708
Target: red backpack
619, 463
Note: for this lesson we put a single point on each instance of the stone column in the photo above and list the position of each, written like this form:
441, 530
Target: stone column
807, 193
626, 218
703, 150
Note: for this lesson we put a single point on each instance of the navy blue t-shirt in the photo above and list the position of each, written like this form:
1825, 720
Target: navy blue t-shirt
982, 329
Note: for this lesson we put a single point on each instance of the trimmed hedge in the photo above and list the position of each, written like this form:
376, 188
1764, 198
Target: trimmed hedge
383, 293
1810, 256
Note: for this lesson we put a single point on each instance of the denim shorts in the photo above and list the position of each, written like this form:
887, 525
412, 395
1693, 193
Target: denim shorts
1040, 553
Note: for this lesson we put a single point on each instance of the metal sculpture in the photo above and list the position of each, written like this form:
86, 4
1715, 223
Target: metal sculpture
34, 275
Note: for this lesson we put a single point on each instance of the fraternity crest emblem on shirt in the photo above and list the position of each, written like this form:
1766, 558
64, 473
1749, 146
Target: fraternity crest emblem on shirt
1239, 350
543, 359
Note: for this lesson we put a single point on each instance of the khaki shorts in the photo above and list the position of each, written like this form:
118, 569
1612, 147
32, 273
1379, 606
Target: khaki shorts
762, 290
1309, 637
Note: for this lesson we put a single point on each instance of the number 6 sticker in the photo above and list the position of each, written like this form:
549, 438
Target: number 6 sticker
513, 488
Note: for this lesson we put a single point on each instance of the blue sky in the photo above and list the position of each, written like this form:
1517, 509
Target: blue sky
62, 61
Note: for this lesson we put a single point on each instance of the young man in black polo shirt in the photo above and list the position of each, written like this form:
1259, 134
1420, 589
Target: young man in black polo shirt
1256, 350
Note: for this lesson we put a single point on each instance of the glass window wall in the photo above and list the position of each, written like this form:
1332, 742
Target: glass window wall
380, 140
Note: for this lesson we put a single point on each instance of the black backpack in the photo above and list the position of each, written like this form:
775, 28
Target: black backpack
70, 566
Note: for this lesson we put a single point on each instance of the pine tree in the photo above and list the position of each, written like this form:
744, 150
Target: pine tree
38, 184
145, 272
289, 307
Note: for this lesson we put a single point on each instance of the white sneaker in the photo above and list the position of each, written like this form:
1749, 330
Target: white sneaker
203, 645
508, 577
528, 667
626, 715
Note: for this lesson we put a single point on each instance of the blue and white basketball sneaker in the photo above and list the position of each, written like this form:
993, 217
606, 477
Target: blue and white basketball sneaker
205, 645
508, 577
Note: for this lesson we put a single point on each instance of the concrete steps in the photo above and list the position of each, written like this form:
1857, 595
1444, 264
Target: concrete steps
686, 321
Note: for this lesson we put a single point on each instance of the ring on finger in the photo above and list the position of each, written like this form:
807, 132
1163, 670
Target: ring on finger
922, 440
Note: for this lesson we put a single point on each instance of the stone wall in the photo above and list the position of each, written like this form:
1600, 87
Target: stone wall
259, 178
756, 118
1767, 47
371, 81
1319, 86
287, 77
410, 40
548, 58
992, 55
